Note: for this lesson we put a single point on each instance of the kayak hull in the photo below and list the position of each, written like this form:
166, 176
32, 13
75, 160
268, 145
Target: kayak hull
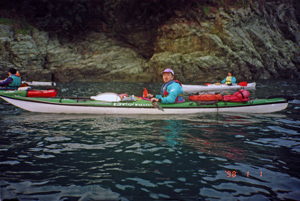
71, 106
188, 89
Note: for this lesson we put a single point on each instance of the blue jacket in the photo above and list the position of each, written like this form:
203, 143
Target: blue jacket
229, 80
12, 82
171, 92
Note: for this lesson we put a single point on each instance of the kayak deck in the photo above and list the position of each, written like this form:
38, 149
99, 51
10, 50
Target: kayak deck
68, 105
30, 93
13, 92
145, 103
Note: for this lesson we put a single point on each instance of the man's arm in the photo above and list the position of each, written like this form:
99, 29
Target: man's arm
6, 82
233, 80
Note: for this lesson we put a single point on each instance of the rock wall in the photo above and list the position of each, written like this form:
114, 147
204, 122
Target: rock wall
257, 40
253, 42
97, 58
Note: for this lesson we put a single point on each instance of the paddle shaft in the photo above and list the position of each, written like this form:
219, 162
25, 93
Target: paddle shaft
158, 106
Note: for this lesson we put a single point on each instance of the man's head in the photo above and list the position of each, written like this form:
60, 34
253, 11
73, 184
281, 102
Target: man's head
12, 71
167, 75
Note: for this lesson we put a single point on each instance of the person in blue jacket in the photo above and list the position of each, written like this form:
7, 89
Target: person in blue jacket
229, 80
171, 91
12, 82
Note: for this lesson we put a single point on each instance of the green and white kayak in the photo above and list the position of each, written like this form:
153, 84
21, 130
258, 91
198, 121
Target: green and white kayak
88, 106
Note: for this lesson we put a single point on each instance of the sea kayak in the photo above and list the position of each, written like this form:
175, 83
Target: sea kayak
188, 89
140, 106
30, 93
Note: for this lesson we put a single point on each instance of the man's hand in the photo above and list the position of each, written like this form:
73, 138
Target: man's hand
155, 100
150, 96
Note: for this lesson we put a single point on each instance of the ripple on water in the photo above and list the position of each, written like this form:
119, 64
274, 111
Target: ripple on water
57, 139
45, 156
281, 130
66, 147
33, 190
142, 182
275, 142
12, 162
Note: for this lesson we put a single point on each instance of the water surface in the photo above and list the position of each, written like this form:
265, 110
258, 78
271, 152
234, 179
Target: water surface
57, 157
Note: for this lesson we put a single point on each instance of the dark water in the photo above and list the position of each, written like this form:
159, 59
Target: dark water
50, 157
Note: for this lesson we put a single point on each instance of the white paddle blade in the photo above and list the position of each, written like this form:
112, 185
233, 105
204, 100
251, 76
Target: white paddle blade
23, 88
107, 97
38, 83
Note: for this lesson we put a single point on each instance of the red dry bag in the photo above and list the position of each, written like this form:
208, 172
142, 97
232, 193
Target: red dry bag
239, 96
206, 97
42, 93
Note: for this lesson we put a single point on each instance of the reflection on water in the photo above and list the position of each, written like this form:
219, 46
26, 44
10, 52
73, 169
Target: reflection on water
146, 157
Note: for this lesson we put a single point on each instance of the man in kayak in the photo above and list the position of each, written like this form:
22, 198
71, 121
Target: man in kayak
171, 91
229, 80
12, 82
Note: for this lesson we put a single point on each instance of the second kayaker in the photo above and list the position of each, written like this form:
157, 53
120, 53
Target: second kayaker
12, 82
229, 80
171, 91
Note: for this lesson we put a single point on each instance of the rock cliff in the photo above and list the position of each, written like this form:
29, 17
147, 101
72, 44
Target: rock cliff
134, 40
